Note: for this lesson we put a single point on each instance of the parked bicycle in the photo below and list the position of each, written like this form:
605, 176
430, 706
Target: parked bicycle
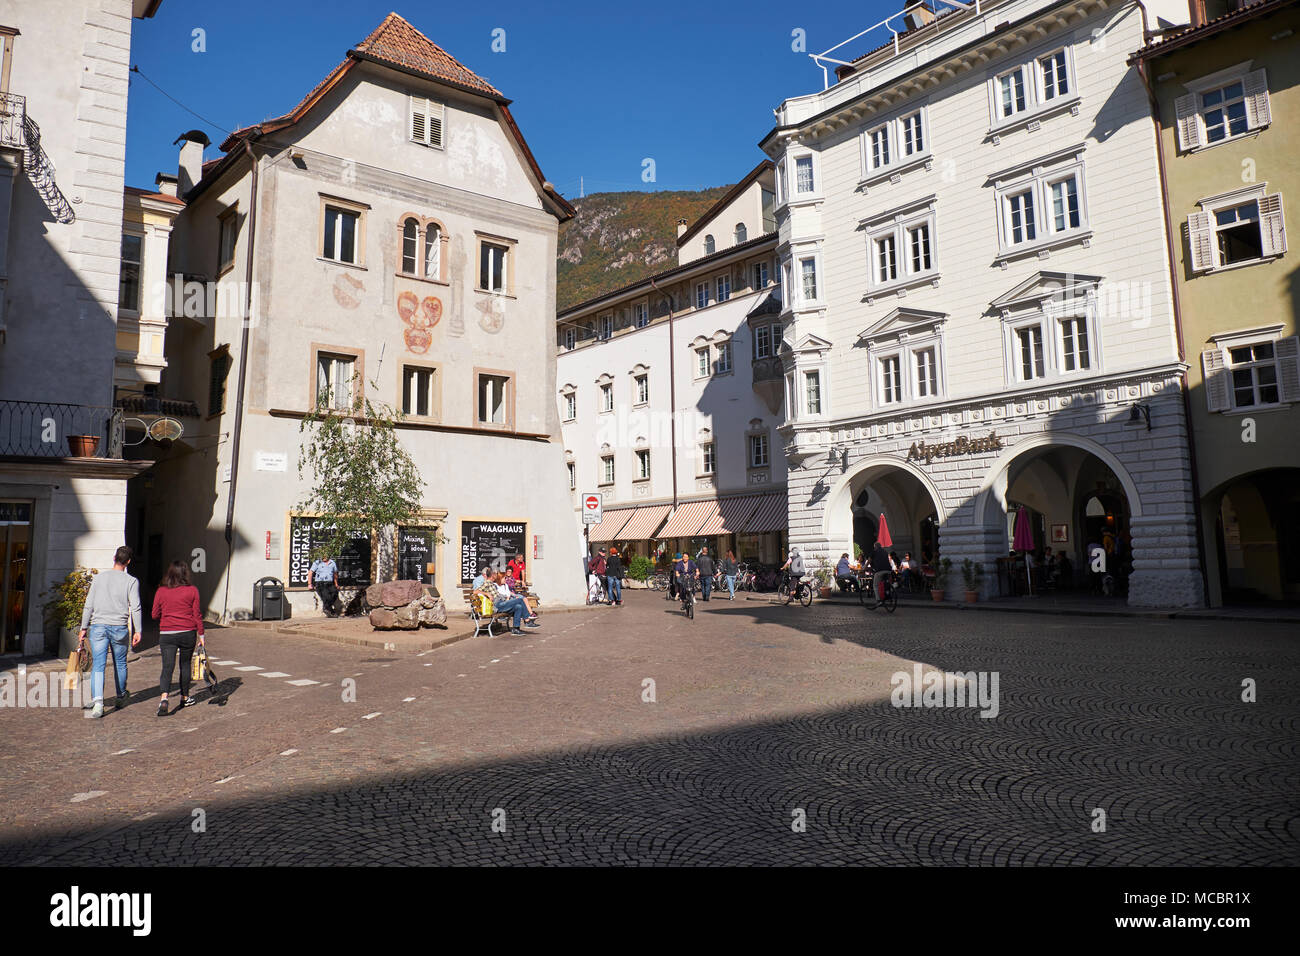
659, 581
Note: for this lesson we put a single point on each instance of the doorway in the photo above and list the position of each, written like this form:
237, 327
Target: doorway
15, 550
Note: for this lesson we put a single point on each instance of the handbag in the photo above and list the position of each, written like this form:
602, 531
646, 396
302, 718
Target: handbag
198, 665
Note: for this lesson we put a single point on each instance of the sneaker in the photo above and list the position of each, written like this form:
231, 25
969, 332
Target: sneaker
98, 709
532, 624
122, 698
515, 630
187, 702
162, 709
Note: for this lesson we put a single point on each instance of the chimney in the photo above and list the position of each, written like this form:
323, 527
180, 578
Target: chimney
918, 17
166, 184
190, 169
681, 227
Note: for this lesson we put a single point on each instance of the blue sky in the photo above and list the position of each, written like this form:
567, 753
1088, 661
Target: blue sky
597, 87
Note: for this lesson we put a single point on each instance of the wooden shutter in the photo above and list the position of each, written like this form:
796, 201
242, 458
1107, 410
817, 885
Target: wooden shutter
419, 120
434, 111
1200, 239
1189, 122
1256, 90
1216, 380
1272, 225
1288, 368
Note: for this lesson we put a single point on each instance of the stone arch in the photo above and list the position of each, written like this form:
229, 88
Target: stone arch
837, 515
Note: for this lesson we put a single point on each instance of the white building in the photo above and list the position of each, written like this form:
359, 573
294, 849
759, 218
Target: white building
669, 394
393, 238
63, 95
971, 226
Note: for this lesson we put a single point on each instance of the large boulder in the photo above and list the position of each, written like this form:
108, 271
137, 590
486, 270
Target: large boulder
375, 595
433, 616
408, 618
401, 593
382, 619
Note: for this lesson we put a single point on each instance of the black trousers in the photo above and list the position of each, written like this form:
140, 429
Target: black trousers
170, 644
329, 593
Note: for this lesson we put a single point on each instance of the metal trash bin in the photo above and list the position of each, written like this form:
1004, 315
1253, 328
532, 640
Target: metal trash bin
268, 600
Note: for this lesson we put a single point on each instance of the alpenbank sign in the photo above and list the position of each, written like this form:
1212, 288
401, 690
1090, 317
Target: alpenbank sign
954, 449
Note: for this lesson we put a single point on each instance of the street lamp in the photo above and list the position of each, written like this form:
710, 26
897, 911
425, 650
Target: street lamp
1139, 413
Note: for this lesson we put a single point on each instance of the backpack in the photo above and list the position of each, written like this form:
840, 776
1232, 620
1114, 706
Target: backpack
796, 565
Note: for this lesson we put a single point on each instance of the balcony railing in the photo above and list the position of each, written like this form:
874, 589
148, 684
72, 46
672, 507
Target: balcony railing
53, 430
13, 112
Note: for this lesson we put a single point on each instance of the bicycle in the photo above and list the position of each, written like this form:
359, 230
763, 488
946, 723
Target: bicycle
598, 596
890, 600
802, 591
659, 581
687, 595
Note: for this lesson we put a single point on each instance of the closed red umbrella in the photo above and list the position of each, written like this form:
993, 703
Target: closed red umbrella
882, 534
1023, 540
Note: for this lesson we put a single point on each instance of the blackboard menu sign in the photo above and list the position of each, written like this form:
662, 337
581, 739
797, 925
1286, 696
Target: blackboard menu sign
307, 534
489, 542
415, 554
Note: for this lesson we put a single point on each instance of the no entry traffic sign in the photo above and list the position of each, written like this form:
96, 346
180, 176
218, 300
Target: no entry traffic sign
591, 508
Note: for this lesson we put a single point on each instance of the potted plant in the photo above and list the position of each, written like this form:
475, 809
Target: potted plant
942, 569
83, 446
972, 573
64, 604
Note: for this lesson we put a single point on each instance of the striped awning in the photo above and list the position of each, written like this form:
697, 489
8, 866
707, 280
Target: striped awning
688, 517
644, 523
731, 515
770, 515
611, 523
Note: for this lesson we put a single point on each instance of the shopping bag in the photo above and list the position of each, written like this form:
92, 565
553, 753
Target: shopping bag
198, 664
71, 674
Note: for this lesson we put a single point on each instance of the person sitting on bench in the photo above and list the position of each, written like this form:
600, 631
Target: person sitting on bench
505, 601
844, 575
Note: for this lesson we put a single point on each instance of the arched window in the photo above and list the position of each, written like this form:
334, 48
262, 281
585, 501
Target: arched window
741, 233
410, 238
708, 245
432, 251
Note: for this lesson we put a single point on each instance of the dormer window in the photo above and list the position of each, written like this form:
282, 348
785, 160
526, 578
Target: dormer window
742, 233
425, 124
709, 245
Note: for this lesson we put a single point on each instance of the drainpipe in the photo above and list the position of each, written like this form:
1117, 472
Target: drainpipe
672, 386
1202, 557
243, 374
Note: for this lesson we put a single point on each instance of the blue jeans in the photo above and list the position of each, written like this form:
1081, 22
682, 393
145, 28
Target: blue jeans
731, 583
516, 604
99, 636
614, 588
706, 585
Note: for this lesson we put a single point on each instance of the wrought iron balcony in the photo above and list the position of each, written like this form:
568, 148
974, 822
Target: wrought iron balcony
54, 430
13, 114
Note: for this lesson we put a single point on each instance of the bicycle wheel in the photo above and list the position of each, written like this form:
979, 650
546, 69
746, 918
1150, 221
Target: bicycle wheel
783, 593
891, 598
863, 592
805, 594
690, 610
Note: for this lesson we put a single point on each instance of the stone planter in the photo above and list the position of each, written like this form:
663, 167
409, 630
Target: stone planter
83, 446
825, 592
972, 597
936, 594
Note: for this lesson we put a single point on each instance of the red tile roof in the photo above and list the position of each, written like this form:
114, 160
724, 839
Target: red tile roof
1187, 36
150, 194
398, 43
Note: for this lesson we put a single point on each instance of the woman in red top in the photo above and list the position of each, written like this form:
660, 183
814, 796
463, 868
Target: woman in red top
180, 628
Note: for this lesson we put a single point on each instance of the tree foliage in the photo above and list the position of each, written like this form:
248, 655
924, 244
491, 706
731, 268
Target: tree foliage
361, 478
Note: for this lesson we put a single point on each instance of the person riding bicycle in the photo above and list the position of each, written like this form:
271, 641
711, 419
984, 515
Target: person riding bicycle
685, 572
881, 568
794, 567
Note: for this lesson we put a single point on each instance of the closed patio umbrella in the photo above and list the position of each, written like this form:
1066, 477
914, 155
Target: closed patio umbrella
882, 534
1023, 540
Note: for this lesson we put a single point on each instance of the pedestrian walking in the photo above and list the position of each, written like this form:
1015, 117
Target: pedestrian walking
324, 576
112, 612
614, 578
705, 567
180, 630
729, 571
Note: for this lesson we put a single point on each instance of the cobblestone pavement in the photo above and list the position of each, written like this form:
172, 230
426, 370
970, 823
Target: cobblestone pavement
771, 739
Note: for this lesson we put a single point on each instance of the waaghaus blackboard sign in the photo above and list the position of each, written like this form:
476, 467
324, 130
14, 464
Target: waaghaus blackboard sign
489, 542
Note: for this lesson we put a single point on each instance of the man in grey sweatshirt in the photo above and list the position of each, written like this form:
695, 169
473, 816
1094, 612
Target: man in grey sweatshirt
112, 612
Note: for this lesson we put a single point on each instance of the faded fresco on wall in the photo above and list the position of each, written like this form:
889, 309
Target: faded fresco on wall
420, 316
347, 288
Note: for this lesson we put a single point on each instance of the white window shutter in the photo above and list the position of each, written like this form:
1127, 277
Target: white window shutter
1272, 225
1215, 376
1189, 122
1200, 239
1256, 90
1288, 368
435, 114
419, 120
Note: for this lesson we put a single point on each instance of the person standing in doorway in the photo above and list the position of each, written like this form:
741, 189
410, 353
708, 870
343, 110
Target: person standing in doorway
323, 576
729, 571
180, 629
112, 612
706, 569
614, 578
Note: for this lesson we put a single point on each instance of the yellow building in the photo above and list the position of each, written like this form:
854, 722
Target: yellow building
1227, 94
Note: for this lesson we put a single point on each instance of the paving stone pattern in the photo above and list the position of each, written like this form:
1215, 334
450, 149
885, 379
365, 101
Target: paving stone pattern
760, 712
